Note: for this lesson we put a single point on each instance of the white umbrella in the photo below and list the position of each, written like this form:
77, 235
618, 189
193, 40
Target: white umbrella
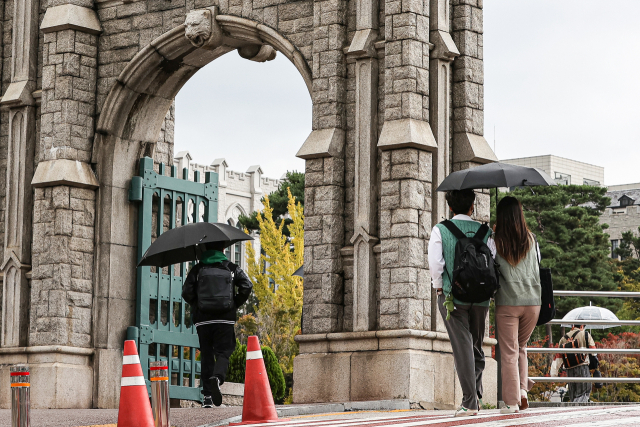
589, 313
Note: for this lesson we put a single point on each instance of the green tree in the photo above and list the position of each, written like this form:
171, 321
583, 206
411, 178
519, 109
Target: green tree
279, 199
573, 243
278, 293
629, 245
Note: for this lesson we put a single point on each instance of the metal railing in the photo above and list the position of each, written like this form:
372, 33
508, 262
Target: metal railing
611, 380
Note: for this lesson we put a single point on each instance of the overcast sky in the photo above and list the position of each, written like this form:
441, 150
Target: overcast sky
561, 77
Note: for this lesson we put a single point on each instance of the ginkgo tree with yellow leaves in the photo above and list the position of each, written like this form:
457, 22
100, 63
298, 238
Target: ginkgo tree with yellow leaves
278, 293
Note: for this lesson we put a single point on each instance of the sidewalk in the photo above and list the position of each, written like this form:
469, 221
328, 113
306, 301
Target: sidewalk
180, 417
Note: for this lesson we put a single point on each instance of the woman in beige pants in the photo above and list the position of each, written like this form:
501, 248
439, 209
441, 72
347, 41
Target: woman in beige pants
517, 300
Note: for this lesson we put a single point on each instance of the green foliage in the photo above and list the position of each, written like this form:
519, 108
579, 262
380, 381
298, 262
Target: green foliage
274, 372
573, 243
238, 363
629, 245
279, 200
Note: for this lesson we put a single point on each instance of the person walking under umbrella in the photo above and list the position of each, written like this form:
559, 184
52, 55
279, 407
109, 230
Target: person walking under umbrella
465, 322
517, 301
210, 290
577, 364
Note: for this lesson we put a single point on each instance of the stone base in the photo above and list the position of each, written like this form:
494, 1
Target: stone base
61, 377
378, 365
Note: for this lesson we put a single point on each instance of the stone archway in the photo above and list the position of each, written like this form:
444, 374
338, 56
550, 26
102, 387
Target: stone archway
127, 129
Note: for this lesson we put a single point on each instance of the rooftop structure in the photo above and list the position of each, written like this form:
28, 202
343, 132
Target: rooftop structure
564, 171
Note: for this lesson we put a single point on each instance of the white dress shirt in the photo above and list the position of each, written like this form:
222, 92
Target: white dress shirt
436, 255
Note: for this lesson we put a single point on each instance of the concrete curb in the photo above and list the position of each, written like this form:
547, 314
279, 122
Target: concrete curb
325, 408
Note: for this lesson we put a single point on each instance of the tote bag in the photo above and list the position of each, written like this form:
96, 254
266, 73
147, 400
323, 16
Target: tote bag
548, 305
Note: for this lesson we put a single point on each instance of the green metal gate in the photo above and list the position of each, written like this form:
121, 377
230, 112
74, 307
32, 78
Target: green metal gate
163, 324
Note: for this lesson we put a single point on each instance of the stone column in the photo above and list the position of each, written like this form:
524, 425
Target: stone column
365, 215
469, 145
443, 53
19, 101
324, 181
62, 292
407, 142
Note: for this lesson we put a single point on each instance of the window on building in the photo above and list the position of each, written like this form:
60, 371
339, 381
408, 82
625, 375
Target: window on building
626, 201
562, 178
237, 257
227, 251
614, 245
591, 182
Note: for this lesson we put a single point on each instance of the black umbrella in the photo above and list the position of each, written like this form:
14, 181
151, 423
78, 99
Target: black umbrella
494, 175
299, 272
181, 244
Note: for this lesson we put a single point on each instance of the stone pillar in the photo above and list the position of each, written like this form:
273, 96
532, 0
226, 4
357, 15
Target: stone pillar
469, 145
403, 354
365, 216
443, 53
61, 295
407, 143
19, 102
324, 181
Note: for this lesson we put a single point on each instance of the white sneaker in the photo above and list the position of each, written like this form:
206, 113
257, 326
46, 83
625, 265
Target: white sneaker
524, 400
509, 410
464, 412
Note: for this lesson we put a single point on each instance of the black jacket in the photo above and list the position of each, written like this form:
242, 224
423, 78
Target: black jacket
241, 283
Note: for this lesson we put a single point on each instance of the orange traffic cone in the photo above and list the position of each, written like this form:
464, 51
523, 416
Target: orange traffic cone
135, 409
257, 406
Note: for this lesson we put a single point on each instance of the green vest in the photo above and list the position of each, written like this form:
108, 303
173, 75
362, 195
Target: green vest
520, 285
449, 251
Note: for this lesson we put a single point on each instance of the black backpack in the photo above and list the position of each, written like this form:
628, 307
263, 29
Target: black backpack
475, 272
571, 360
215, 289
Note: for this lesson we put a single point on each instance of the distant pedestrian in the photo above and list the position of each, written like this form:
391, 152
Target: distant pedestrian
465, 322
576, 365
517, 301
210, 290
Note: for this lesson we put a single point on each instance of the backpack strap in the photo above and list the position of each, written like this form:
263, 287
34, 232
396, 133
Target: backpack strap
482, 232
457, 233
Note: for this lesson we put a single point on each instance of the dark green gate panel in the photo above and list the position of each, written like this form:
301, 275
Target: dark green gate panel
163, 325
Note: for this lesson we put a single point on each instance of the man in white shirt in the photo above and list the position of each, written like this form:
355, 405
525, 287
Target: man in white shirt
466, 323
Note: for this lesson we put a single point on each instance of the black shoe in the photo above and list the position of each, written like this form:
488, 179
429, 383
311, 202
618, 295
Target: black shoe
207, 402
216, 394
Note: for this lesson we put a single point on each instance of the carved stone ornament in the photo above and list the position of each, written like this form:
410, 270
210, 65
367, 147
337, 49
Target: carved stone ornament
257, 53
202, 29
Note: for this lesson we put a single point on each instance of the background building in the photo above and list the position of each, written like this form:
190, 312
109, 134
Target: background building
623, 213
240, 194
564, 171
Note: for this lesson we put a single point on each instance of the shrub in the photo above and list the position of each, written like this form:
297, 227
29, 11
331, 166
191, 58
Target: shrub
237, 366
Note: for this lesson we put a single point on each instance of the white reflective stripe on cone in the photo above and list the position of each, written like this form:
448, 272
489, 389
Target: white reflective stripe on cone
256, 354
132, 381
130, 360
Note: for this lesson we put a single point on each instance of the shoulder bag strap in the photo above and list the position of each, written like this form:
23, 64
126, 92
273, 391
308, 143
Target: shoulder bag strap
453, 229
482, 232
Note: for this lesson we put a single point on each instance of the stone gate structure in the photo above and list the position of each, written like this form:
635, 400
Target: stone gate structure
87, 90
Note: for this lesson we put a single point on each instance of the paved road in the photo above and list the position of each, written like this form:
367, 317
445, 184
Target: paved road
192, 417
556, 417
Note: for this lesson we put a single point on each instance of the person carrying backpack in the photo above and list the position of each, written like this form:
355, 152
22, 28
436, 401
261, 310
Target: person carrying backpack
215, 288
576, 364
458, 255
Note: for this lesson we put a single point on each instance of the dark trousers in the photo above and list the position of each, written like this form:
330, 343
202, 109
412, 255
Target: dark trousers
217, 343
466, 332
579, 392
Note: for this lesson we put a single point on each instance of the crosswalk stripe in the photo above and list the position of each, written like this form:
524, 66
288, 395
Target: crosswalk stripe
342, 423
